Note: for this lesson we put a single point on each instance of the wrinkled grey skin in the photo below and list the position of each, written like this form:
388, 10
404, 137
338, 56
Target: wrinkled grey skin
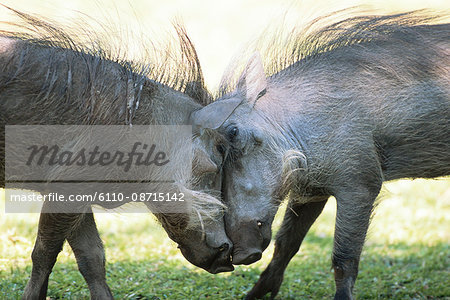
49, 85
338, 124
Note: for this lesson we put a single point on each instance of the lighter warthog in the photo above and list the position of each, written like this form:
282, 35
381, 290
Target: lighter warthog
350, 105
47, 78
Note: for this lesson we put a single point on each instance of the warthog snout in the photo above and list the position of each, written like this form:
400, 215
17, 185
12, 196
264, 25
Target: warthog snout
212, 259
210, 249
251, 239
222, 263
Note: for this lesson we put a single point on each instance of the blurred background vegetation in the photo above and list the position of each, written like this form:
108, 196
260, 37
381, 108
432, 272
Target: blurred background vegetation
407, 253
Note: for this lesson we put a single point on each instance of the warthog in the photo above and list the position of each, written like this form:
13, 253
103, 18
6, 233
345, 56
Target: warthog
47, 78
350, 105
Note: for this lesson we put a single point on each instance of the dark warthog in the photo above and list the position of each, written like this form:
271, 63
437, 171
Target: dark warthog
49, 79
353, 104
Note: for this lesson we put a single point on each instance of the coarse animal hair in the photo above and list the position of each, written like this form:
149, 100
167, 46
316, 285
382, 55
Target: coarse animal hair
282, 49
174, 63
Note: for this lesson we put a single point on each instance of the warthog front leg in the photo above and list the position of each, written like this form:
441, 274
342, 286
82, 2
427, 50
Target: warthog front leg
88, 249
352, 221
296, 223
52, 231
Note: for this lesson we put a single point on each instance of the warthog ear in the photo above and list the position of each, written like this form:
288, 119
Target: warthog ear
213, 115
253, 82
202, 164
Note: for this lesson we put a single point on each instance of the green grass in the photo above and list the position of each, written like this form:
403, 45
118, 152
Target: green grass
406, 256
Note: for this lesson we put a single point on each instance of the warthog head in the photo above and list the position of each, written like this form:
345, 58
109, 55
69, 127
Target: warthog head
253, 165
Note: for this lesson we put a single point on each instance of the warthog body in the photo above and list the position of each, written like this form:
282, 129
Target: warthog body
351, 105
49, 79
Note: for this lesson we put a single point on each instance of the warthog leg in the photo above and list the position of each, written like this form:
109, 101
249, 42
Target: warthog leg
88, 249
52, 231
352, 221
296, 223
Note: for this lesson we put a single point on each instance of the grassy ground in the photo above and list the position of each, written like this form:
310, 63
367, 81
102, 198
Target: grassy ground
406, 256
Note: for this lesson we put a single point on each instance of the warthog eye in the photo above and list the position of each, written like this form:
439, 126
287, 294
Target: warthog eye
232, 133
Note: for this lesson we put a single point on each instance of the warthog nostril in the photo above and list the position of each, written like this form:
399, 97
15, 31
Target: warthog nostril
224, 247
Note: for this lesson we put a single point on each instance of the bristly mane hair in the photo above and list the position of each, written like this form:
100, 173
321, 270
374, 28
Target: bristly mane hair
175, 64
281, 49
